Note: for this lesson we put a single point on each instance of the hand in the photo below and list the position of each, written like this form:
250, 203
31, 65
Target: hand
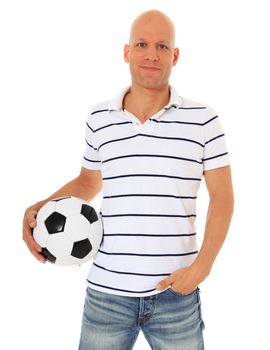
29, 222
184, 280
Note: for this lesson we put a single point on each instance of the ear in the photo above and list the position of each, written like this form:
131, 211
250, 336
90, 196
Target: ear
126, 53
175, 56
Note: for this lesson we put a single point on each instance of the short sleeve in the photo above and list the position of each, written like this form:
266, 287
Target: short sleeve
91, 158
215, 146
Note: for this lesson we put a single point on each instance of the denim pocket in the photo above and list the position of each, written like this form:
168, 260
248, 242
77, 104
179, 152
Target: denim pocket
181, 294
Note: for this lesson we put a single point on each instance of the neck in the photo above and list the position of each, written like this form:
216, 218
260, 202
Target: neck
144, 102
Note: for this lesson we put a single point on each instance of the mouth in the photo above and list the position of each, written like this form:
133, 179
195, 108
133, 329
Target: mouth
150, 68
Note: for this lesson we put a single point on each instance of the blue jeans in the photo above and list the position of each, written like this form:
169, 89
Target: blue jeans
168, 320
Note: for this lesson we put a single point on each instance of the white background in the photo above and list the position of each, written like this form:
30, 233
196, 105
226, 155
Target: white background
58, 58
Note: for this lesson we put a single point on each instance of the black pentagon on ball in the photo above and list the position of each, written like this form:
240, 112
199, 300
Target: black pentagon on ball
55, 223
81, 248
51, 258
89, 213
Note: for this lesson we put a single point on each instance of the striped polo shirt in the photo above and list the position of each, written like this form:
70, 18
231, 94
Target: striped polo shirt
151, 174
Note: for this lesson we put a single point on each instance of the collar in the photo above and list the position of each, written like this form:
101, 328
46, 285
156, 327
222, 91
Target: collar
116, 103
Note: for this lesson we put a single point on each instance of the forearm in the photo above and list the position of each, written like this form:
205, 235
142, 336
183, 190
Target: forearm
74, 188
218, 220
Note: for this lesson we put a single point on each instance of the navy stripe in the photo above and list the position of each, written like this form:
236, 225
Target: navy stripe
89, 127
181, 122
219, 155
173, 138
214, 138
186, 108
151, 234
156, 215
91, 160
151, 136
210, 120
121, 290
115, 140
152, 155
166, 108
157, 121
90, 145
152, 175
106, 126
99, 111
132, 273
151, 255
176, 122
112, 124
203, 107
149, 195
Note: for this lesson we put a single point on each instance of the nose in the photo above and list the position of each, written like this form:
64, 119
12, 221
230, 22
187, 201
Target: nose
151, 54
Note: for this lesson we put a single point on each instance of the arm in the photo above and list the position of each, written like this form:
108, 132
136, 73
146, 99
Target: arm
220, 210
86, 186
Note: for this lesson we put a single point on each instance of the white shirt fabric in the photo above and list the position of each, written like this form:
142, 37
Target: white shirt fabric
151, 174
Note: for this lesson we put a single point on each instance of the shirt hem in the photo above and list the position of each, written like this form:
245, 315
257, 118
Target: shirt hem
123, 293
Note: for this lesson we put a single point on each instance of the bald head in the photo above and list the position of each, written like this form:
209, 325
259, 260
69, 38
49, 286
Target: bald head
153, 20
151, 53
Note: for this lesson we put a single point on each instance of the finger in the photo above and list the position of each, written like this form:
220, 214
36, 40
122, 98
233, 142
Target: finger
31, 218
34, 245
28, 238
165, 283
35, 248
38, 256
182, 290
29, 222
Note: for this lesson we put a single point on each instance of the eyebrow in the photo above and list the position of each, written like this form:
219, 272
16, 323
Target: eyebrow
159, 41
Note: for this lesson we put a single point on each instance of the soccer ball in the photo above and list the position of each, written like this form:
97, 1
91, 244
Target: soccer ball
69, 231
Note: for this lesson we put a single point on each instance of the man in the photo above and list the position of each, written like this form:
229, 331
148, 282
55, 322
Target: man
148, 149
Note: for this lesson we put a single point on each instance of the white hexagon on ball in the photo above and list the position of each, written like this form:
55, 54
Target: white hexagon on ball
77, 227
73, 207
68, 261
59, 245
41, 234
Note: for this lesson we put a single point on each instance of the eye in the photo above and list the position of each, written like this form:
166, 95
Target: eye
163, 46
141, 44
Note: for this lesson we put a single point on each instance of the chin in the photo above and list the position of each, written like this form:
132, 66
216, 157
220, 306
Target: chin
151, 85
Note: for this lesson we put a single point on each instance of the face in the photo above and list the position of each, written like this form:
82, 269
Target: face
151, 53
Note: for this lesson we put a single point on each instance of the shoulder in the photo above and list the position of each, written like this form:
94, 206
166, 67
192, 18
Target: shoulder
98, 112
203, 112
100, 107
189, 103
